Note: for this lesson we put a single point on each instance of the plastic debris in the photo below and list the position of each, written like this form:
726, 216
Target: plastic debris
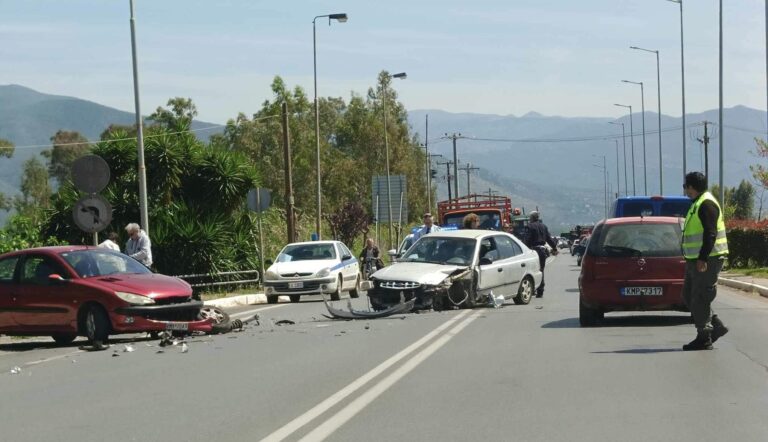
322, 325
160, 351
367, 327
115, 355
495, 301
285, 322
539, 307
403, 307
128, 348
16, 370
184, 347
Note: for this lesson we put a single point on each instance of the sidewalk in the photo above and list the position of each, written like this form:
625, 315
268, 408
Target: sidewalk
744, 282
239, 300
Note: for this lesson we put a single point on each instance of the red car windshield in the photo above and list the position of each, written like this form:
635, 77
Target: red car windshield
642, 239
102, 262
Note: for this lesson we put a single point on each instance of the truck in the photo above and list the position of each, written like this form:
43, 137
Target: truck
495, 212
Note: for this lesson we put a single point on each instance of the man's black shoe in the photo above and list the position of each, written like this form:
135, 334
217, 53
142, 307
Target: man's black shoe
718, 328
703, 341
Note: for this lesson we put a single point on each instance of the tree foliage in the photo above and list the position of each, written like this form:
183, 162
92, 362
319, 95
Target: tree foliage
739, 201
67, 147
6, 148
760, 171
35, 190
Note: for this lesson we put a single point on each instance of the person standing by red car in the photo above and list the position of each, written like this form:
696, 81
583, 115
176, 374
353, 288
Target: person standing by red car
705, 247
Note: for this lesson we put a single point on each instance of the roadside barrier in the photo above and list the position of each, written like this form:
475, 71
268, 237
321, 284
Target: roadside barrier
201, 280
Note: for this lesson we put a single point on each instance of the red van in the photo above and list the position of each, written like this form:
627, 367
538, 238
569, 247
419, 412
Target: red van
632, 263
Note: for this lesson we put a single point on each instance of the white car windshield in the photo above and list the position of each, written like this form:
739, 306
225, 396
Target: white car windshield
101, 262
307, 252
459, 251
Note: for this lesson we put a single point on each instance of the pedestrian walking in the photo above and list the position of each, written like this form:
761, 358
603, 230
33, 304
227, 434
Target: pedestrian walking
537, 238
705, 247
138, 247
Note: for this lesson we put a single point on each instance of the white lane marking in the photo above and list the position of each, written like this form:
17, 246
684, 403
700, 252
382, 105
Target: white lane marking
345, 414
256, 310
52, 358
291, 427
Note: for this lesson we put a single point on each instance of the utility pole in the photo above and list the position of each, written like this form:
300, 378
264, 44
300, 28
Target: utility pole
429, 164
454, 137
142, 170
705, 141
720, 114
468, 168
290, 213
448, 175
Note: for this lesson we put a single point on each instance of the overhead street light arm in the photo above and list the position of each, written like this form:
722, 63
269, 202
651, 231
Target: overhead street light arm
341, 18
643, 49
632, 82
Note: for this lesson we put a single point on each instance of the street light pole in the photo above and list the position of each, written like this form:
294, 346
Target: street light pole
143, 212
618, 183
341, 18
645, 161
624, 142
720, 113
401, 75
658, 91
429, 164
632, 143
682, 75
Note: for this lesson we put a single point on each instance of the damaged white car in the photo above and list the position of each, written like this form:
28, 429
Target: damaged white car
458, 269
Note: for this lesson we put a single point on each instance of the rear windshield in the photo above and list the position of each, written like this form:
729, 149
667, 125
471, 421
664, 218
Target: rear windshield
675, 208
641, 239
637, 208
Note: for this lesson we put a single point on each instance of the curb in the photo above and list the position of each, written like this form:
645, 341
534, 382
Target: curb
746, 286
240, 300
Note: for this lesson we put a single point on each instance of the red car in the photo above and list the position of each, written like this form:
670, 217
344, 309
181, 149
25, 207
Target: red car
632, 263
68, 291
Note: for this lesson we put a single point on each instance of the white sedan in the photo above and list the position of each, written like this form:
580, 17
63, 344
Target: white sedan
459, 268
310, 268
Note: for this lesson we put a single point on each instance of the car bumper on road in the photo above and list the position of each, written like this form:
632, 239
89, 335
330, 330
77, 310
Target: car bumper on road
176, 317
309, 287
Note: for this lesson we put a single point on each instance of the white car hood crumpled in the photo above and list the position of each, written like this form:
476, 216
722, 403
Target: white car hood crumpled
421, 272
314, 266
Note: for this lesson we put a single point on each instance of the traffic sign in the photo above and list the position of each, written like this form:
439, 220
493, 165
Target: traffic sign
92, 213
90, 173
259, 199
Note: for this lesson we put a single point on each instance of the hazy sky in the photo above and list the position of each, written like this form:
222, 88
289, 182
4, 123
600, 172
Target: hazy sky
558, 57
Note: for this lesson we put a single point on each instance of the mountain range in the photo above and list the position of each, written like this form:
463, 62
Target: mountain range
551, 163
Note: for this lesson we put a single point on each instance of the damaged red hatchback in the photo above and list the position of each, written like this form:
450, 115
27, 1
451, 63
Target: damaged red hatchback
71, 291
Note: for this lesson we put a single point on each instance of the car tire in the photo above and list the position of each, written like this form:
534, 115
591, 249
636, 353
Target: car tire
221, 321
295, 298
96, 325
589, 317
355, 292
271, 299
525, 292
335, 296
64, 338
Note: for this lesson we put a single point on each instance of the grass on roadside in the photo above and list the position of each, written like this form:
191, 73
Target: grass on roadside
249, 290
759, 272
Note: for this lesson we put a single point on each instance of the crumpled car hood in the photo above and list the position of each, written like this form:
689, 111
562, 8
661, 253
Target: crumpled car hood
421, 272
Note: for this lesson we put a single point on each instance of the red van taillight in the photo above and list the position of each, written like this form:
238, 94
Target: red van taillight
588, 268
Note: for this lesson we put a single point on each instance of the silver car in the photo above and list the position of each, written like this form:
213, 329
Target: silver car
458, 269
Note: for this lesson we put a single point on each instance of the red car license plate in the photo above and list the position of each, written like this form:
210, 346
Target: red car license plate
177, 326
642, 291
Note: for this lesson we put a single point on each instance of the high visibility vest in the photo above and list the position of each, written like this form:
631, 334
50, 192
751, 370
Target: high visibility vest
693, 231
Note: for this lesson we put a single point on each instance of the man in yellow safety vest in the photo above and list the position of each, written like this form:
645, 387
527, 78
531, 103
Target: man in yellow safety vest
705, 247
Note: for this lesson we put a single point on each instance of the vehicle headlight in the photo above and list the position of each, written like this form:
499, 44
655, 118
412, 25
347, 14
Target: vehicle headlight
132, 298
323, 273
269, 274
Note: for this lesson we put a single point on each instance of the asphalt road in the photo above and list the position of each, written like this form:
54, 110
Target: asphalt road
526, 373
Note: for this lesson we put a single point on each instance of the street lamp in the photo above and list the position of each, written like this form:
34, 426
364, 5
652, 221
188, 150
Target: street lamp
642, 104
624, 142
402, 76
143, 212
632, 143
658, 91
341, 18
682, 74
605, 183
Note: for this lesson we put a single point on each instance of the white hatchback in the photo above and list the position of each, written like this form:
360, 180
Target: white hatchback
310, 268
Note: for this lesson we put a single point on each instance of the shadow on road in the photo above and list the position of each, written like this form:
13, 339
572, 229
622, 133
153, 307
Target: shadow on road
624, 321
22, 346
639, 351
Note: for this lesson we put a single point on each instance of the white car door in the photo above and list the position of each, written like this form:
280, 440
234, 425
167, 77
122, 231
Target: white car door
491, 276
350, 269
514, 266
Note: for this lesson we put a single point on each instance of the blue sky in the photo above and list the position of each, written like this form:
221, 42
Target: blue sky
558, 57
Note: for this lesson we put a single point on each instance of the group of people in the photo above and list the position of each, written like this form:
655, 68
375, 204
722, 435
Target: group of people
138, 246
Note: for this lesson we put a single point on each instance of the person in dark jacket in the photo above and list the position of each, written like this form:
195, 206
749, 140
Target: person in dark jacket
371, 253
705, 247
537, 238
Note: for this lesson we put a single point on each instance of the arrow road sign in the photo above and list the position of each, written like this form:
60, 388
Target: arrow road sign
92, 213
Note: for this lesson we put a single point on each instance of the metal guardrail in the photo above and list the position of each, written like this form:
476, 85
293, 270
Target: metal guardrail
198, 280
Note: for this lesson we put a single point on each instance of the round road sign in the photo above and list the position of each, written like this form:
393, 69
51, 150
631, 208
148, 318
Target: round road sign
92, 213
90, 173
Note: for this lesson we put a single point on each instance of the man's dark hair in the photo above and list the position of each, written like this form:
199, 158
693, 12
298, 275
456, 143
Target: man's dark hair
113, 236
697, 180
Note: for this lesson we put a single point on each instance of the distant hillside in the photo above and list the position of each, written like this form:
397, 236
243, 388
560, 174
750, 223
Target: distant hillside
30, 118
564, 177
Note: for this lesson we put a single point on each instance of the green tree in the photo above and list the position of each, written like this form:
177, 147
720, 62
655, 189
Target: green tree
6, 148
67, 147
178, 118
743, 200
35, 190
760, 171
